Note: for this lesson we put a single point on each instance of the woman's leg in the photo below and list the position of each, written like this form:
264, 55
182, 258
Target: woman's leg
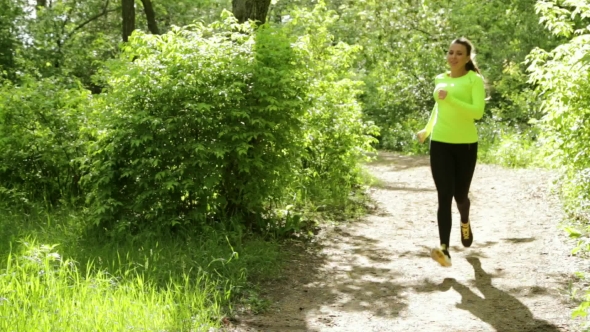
466, 159
442, 166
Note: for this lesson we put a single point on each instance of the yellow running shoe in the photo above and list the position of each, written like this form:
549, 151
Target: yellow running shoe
466, 234
442, 256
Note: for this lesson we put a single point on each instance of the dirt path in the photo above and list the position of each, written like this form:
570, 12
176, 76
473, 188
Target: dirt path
376, 274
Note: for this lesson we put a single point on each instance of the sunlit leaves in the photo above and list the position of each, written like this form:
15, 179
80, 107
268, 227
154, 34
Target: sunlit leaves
563, 79
201, 117
336, 135
563, 17
210, 122
42, 139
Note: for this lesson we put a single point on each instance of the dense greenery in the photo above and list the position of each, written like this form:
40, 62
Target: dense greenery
58, 276
42, 139
220, 137
201, 124
202, 133
562, 78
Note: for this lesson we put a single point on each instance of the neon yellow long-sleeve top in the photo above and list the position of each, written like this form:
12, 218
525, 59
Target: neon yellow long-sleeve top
453, 119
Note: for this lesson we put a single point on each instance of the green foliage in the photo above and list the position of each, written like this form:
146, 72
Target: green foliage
509, 146
41, 139
49, 292
404, 45
8, 44
502, 33
503, 36
403, 49
202, 123
219, 126
401, 135
517, 104
171, 283
224, 122
335, 136
74, 38
68, 38
564, 18
185, 12
563, 78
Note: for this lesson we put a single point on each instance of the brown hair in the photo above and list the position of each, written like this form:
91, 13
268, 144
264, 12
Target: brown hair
470, 49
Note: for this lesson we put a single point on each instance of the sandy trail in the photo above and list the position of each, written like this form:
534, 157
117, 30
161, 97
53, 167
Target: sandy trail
376, 275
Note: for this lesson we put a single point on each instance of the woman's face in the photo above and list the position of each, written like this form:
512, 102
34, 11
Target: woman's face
457, 56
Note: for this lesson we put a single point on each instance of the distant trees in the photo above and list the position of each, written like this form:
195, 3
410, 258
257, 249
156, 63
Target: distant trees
255, 10
128, 17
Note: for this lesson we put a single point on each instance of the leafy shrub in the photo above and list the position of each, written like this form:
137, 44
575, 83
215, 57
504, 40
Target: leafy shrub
41, 138
515, 101
335, 137
8, 12
202, 122
563, 78
509, 146
224, 122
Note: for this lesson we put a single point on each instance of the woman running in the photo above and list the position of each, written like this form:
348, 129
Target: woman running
460, 100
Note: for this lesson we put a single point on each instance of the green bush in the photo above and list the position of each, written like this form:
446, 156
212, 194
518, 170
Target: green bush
336, 137
563, 76
201, 123
509, 146
8, 44
224, 122
41, 139
563, 79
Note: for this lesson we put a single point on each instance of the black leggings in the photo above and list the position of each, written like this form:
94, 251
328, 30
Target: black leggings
452, 167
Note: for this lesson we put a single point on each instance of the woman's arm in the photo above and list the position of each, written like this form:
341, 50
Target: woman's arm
478, 95
430, 124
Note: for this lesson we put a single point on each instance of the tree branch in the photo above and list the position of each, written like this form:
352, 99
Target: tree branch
422, 31
105, 11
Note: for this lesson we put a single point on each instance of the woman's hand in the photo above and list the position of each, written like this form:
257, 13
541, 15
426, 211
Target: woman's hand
442, 94
421, 135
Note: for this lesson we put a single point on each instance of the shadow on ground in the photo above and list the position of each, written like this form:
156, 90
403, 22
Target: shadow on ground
344, 277
313, 281
498, 308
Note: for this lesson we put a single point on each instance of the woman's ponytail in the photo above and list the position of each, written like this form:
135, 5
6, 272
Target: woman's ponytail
470, 51
472, 66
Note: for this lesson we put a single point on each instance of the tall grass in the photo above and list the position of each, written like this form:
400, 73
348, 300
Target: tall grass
146, 283
42, 291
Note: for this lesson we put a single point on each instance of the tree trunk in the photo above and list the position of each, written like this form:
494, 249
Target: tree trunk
255, 10
128, 14
151, 16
